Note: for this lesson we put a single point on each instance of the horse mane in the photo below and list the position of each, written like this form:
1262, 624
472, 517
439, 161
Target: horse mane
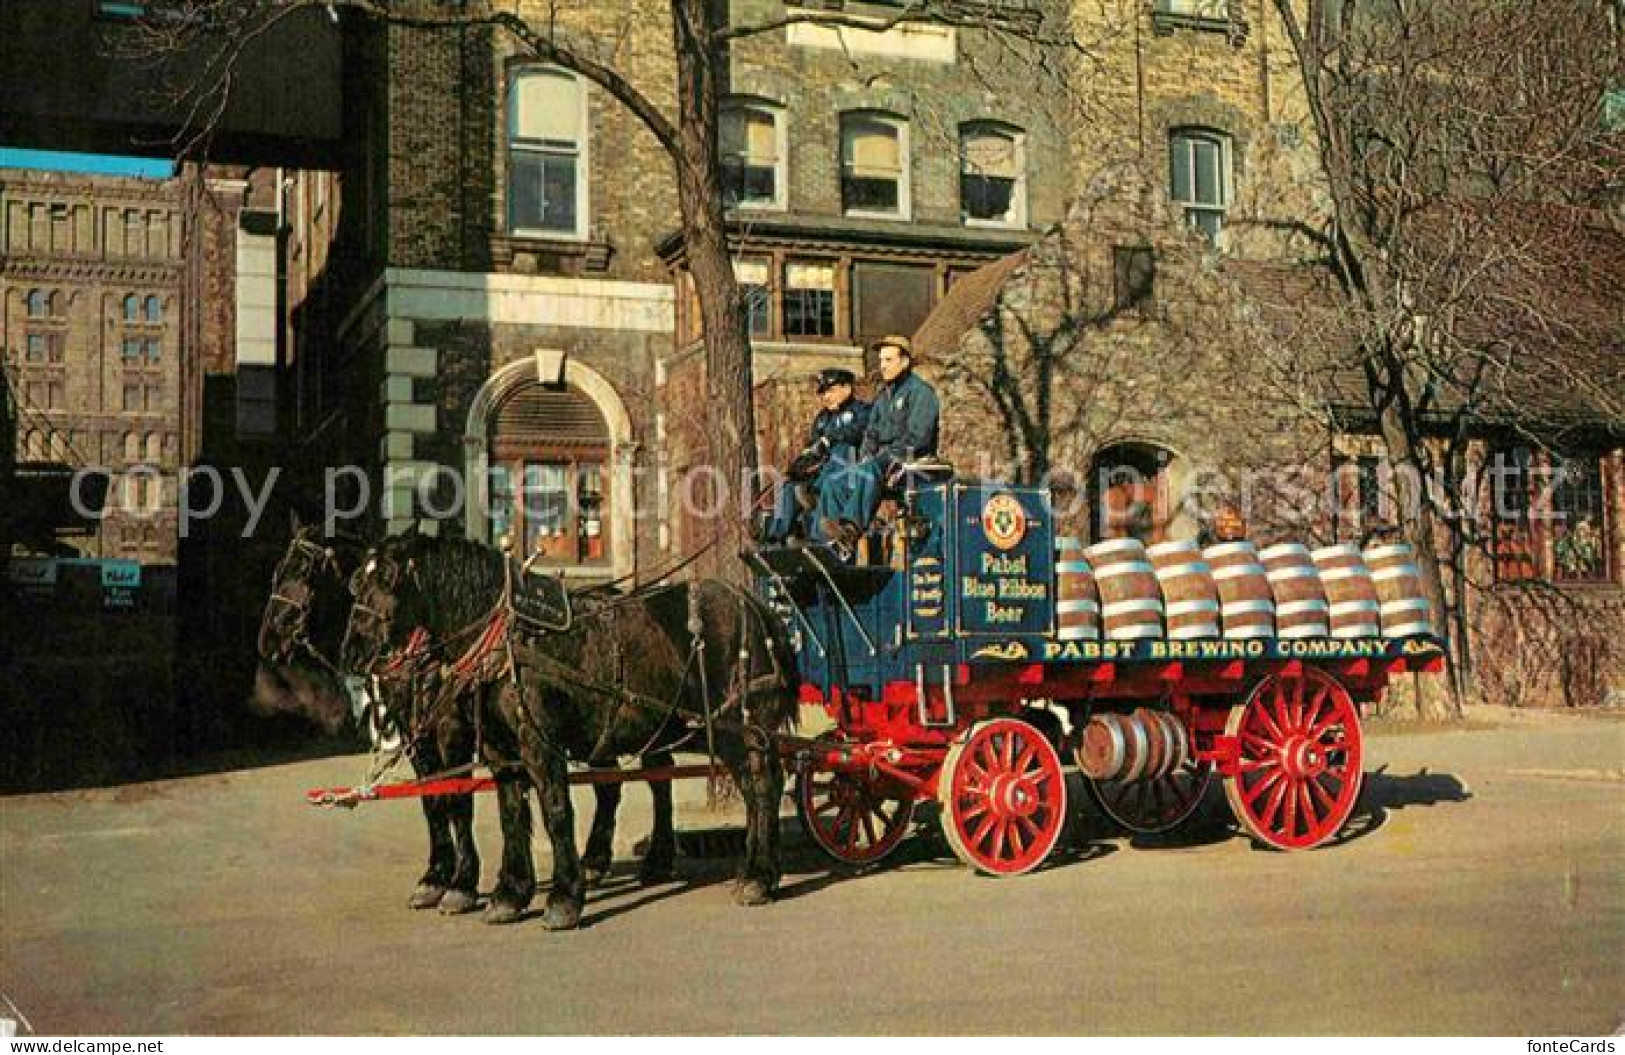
459, 580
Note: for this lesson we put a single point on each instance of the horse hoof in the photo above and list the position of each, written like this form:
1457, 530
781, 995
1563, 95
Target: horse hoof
427, 895
561, 914
457, 902
752, 892
499, 913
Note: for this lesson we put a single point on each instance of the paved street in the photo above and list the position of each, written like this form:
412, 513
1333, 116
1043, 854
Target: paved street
1486, 894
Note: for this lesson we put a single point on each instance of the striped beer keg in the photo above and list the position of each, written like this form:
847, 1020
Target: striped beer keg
1189, 600
1145, 745
1246, 607
1130, 602
1077, 603
1348, 586
1405, 609
1300, 603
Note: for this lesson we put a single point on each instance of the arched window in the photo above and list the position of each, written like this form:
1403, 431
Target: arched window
547, 180
37, 304
132, 308
874, 165
752, 148
155, 447
992, 175
53, 304
549, 495
132, 446
155, 310
1130, 492
1199, 177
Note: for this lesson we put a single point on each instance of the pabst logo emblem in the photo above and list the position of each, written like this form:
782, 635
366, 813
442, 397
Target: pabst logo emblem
1004, 522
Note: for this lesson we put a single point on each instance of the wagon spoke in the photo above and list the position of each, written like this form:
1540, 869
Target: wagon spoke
869, 827
999, 831
1289, 823
1029, 753
1269, 780
1273, 805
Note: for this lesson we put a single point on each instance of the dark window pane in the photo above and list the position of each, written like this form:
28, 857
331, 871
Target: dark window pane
1179, 169
757, 308
868, 194
986, 197
542, 192
1135, 273
1209, 188
809, 313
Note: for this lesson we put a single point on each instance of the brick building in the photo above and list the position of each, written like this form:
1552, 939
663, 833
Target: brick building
90, 281
501, 290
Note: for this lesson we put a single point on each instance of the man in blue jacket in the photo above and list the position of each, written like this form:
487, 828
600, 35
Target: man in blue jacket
833, 442
902, 428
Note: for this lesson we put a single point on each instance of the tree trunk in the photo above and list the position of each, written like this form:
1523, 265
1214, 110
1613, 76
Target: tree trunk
731, 418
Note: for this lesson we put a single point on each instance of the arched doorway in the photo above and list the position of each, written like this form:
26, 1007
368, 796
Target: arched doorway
550, 470
1131, 489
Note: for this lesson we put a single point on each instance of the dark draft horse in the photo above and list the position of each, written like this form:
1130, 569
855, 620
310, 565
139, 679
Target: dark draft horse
700, 665
303, 627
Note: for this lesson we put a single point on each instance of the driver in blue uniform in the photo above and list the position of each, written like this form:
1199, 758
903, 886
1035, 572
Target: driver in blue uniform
831, 444
902, 428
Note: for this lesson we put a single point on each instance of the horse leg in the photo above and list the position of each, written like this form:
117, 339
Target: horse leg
760, 776
601, 841
658, 863
464, 896
547, 767
442, 855
516, 884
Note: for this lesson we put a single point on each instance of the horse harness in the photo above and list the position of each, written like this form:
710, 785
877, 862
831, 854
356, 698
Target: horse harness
492, 654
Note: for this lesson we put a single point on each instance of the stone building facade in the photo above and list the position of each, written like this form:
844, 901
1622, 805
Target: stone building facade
90, 281
501, 292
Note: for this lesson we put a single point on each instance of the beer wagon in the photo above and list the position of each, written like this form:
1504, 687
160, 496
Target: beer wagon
982, 650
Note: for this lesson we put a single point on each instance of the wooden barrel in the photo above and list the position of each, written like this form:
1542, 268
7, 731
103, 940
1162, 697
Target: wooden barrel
1246, 606
1350, 591
1190, 603
1145, 745
1130, 602
1405, 609
1077, 602
1300, 603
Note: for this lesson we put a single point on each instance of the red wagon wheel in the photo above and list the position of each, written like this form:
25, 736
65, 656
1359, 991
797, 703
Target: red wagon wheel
853, 819
1003, 797
1151, 807
1298, 771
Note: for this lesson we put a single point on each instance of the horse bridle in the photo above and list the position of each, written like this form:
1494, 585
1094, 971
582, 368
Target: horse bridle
321, 558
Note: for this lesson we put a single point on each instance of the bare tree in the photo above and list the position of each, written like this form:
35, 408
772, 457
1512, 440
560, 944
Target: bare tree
216, 34
1461, 142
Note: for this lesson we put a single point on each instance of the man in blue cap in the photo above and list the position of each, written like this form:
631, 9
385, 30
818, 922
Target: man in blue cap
832, 443
902, 428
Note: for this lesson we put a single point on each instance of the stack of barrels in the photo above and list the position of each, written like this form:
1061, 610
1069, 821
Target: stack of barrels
1121, 590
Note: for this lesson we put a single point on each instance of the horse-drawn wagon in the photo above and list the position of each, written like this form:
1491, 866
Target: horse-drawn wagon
983, 651
963, 666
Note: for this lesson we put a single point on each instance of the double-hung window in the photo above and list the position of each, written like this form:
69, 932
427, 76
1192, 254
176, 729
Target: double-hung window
752, 153
1199, 178
874, 166
547, 186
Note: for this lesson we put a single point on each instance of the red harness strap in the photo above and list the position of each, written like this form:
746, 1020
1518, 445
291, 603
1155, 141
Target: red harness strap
492, 637
416, 645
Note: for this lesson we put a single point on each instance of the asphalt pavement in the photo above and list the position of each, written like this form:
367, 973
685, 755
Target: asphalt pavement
1480, 891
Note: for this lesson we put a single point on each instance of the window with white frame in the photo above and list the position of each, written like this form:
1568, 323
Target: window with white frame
1199, 177
809, 299
874, 165
547, 185
992, 175
751, 145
